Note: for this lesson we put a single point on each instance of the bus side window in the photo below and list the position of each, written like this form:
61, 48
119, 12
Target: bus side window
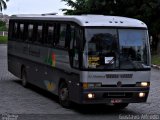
25, 32
62, 36
15, 31
50, 34
76, 41
11, 31
78, 38
38, 34
30, 32
72, 36
71, 50
18, 33
68, 37
21, 32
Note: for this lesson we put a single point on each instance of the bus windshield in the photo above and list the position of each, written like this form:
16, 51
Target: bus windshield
116, 49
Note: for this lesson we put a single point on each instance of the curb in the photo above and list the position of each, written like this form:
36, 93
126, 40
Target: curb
156, 67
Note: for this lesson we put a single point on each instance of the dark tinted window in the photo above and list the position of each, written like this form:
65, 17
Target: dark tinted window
102, 49
11, 30
38, 33
15, 30
62, 35
72, 36
30, 32
78, 38
49, 39
21, 32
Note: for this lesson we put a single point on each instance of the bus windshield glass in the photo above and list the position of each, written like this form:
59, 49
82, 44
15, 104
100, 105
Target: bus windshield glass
116, 49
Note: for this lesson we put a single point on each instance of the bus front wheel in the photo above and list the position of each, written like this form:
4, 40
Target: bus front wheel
64, 95
24, 78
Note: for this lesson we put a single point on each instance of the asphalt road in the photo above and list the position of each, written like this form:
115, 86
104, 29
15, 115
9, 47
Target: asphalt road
35, 104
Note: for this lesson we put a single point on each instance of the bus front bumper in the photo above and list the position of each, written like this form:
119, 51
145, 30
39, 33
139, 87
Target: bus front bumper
115, 95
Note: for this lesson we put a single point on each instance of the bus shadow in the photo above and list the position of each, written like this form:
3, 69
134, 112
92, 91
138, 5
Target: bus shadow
40, 91
100, 110
81, 109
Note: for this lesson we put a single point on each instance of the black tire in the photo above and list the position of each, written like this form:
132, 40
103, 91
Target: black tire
120, 105
24, 78
64, 95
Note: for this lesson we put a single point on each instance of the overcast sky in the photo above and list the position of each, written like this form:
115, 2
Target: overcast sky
34, 6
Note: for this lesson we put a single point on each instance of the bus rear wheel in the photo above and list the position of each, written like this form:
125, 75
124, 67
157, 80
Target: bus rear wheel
64, 95
24, 78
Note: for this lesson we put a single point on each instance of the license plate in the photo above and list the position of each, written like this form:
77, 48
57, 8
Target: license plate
113, 101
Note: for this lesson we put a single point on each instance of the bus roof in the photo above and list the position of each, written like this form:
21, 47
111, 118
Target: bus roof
87, 20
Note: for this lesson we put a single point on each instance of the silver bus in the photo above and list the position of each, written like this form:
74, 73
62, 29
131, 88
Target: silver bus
87, 59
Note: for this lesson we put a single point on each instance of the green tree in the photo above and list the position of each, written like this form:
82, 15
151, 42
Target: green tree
3, 4
77, 7
3, 26
2, 23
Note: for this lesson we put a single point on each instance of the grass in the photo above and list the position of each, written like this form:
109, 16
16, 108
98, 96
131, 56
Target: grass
3, 39
156, 59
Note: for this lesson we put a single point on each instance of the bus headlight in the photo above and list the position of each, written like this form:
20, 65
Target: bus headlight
144, 84
90, 95
142, 94
91, 85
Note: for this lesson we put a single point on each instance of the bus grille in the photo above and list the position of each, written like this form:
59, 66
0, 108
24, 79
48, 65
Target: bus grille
128, 85
117, 95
